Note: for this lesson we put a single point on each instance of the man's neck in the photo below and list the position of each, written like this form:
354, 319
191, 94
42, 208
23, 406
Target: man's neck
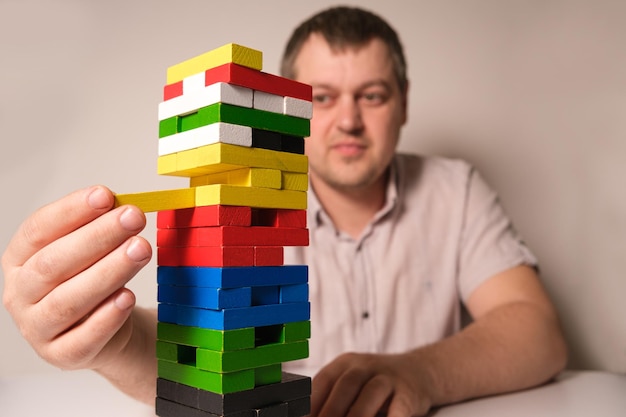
351, 210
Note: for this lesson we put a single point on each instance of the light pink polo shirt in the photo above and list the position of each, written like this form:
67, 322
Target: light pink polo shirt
440, 235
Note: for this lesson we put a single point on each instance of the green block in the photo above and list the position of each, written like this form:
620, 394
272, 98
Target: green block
167, 351
227, 113
267, 375
221, 383
168, 127
212, 339
236, 360
298, 330
173, 352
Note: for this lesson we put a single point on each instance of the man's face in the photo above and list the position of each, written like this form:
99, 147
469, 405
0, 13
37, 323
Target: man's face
358, 110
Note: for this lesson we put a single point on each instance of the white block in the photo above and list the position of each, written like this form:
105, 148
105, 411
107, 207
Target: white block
268, 102
206, 135
298, 108
214, 93
194, 83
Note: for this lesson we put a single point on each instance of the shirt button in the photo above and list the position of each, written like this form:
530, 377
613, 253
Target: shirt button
365, 315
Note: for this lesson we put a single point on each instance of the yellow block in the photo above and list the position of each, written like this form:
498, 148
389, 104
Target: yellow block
159, 200
295, 181
231, 52
232, 195
246, 177
219, 157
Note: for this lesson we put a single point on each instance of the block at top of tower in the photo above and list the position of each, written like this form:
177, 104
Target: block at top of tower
229, 53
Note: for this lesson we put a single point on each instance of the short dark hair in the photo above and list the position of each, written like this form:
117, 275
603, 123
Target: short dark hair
345, 27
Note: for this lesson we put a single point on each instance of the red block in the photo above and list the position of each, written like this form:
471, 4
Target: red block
217, 256
217, 215
233, 236
172, 90
279, 218
268, 256
249, 78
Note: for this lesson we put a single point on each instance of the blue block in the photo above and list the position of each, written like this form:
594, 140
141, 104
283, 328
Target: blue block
234, 318
232, 277
266, 295
294, 293
205, 297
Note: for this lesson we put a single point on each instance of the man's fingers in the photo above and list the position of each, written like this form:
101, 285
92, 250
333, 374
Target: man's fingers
103, 333
372, 397
76, 252
55, 220
71, 301
338, 385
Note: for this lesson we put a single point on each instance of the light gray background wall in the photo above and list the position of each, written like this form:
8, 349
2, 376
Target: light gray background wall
532, 92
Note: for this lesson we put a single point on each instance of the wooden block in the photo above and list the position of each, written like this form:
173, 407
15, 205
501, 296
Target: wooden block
168, 408
269, 374
291, 332
268, 255
234, 318
220, 383
299, 407
265, 295
222, 340
292, 144
295, 181
172, 90
295, 293
278, 218
268, 102
244, 177
216, 256
291, 388
236, 360
193, 84
232, 236
232, 195
258, 80
217, 215
159, 200
206, 135
167, 163
205, 96
232, 277
230, 53
297, 107
206, 297
266, 139
224, 157
221, 112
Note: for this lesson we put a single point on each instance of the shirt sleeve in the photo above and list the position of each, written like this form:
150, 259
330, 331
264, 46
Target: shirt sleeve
489, 243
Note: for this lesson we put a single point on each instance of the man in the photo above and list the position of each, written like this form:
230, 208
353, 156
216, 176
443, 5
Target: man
396, 243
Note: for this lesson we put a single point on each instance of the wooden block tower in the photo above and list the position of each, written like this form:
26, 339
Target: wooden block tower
230, 313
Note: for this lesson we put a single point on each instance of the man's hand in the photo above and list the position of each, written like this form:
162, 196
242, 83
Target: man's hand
65, 270
515, 342
362, 385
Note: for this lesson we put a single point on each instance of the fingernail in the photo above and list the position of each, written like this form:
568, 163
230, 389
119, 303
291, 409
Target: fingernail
99, 198
137, 250
124, 301
131, 220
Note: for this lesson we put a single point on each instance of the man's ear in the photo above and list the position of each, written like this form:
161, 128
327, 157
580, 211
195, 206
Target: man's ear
405, 103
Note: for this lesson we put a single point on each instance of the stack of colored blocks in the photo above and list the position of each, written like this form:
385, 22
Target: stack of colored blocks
230, 312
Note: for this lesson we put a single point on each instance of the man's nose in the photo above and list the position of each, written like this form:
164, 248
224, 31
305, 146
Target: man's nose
349, 117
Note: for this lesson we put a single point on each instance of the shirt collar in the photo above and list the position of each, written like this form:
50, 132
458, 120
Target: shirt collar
317, 216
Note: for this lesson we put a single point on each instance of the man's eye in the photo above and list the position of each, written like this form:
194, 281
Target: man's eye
321, 98
373, 98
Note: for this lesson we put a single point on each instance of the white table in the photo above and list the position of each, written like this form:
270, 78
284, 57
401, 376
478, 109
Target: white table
83, 393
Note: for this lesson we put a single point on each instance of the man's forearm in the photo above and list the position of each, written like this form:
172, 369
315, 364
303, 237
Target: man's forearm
135, 370
513, 347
